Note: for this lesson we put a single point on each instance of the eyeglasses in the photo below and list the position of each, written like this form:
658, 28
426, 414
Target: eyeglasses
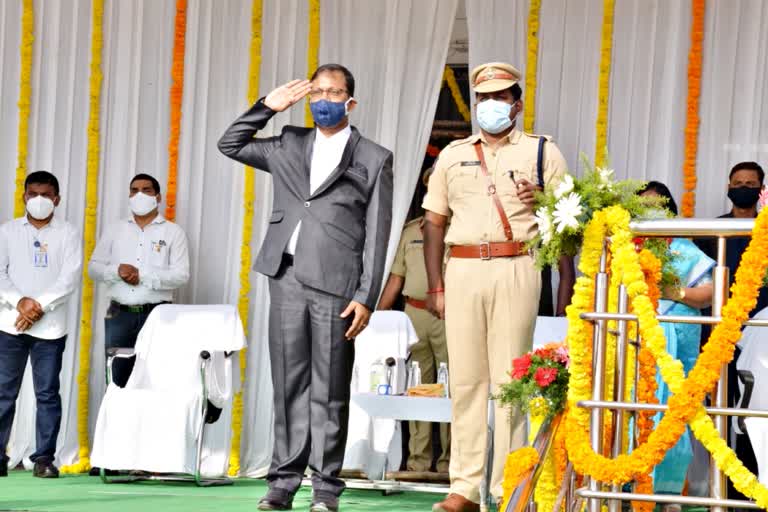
332, 93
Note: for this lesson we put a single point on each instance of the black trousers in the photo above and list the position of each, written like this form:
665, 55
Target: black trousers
311, 374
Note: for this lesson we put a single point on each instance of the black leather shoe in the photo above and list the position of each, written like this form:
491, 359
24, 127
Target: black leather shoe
324, 501
276, 499
45, 469
3, 469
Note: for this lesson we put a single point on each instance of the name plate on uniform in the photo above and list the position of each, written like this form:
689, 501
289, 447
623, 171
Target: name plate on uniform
469, 163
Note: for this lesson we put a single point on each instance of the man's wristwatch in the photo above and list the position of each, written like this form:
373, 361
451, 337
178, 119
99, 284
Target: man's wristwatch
680, 294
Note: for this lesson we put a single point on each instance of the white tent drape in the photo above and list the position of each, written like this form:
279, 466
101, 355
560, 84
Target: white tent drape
396, 50
649, 85
734, 98
398, 74
138, 42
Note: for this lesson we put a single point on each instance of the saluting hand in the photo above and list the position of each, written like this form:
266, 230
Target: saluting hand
359, 321
526, 192
287, 94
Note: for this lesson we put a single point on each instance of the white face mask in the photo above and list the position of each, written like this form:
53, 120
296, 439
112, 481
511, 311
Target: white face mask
39, 207
142, 204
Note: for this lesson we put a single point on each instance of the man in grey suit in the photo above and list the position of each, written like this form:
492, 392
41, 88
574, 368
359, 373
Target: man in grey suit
324, 253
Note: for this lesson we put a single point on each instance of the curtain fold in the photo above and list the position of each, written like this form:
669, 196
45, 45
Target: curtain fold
397, 52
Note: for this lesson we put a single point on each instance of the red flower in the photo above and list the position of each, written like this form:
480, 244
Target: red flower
545, 376
520, 366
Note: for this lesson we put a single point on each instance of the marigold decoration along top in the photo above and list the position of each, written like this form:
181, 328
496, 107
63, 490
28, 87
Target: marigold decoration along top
603, 85
686, 403
531, 65
25, 102
177, 90
313, 50
695, 58
243, 302
89, 238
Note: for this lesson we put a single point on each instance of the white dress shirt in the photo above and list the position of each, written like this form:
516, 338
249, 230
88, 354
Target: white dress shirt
159, 251
326, 155
42, 264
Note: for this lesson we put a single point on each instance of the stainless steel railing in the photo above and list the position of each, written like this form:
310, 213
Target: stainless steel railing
594, 492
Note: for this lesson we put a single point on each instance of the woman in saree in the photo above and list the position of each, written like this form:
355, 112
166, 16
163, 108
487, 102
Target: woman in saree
692, 293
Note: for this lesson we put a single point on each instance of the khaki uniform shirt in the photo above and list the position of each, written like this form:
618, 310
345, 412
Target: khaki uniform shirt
458, 188
409, 261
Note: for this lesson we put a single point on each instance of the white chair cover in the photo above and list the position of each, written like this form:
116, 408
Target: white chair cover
152, 424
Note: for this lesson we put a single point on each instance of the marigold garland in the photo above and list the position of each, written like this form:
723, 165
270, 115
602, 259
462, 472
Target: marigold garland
686, 403
450, 80
177, 90
89, 237
531, 66
695, 57
517, 466
25, 102
604, 82
646, 392
254, 74
313, 50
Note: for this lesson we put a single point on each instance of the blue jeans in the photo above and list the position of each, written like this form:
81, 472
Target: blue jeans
46, 365
121, 328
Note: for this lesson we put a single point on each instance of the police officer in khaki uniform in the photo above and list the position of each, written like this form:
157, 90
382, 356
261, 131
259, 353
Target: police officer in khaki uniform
409, 277
490, 295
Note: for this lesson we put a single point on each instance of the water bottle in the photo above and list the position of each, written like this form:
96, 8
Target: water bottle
377, 372
442, 378
414, 375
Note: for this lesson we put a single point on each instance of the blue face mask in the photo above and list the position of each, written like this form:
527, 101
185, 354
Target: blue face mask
493, 116
328, 113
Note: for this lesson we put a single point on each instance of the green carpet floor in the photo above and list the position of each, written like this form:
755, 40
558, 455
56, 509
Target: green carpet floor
22, 492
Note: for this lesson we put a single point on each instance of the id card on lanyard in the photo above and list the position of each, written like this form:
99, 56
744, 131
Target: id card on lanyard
40, 254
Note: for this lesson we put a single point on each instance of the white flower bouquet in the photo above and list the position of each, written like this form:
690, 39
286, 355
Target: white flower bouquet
563, 211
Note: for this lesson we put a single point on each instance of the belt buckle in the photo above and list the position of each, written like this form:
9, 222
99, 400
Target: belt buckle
136, 309
485, 254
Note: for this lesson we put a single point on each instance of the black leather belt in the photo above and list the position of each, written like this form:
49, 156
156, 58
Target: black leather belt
138, 308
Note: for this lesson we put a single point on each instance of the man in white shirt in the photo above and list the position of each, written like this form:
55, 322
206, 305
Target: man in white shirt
142, 259
40, 262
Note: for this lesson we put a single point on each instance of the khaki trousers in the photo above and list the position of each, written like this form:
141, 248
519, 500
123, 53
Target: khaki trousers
430, 351
490, 312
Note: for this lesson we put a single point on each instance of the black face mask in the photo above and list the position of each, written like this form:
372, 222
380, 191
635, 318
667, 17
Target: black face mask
744, 197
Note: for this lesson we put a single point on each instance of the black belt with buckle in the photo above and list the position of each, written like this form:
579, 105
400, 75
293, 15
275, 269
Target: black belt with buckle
139, 308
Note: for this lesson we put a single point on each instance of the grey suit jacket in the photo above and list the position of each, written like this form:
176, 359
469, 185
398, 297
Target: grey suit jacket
345, 228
